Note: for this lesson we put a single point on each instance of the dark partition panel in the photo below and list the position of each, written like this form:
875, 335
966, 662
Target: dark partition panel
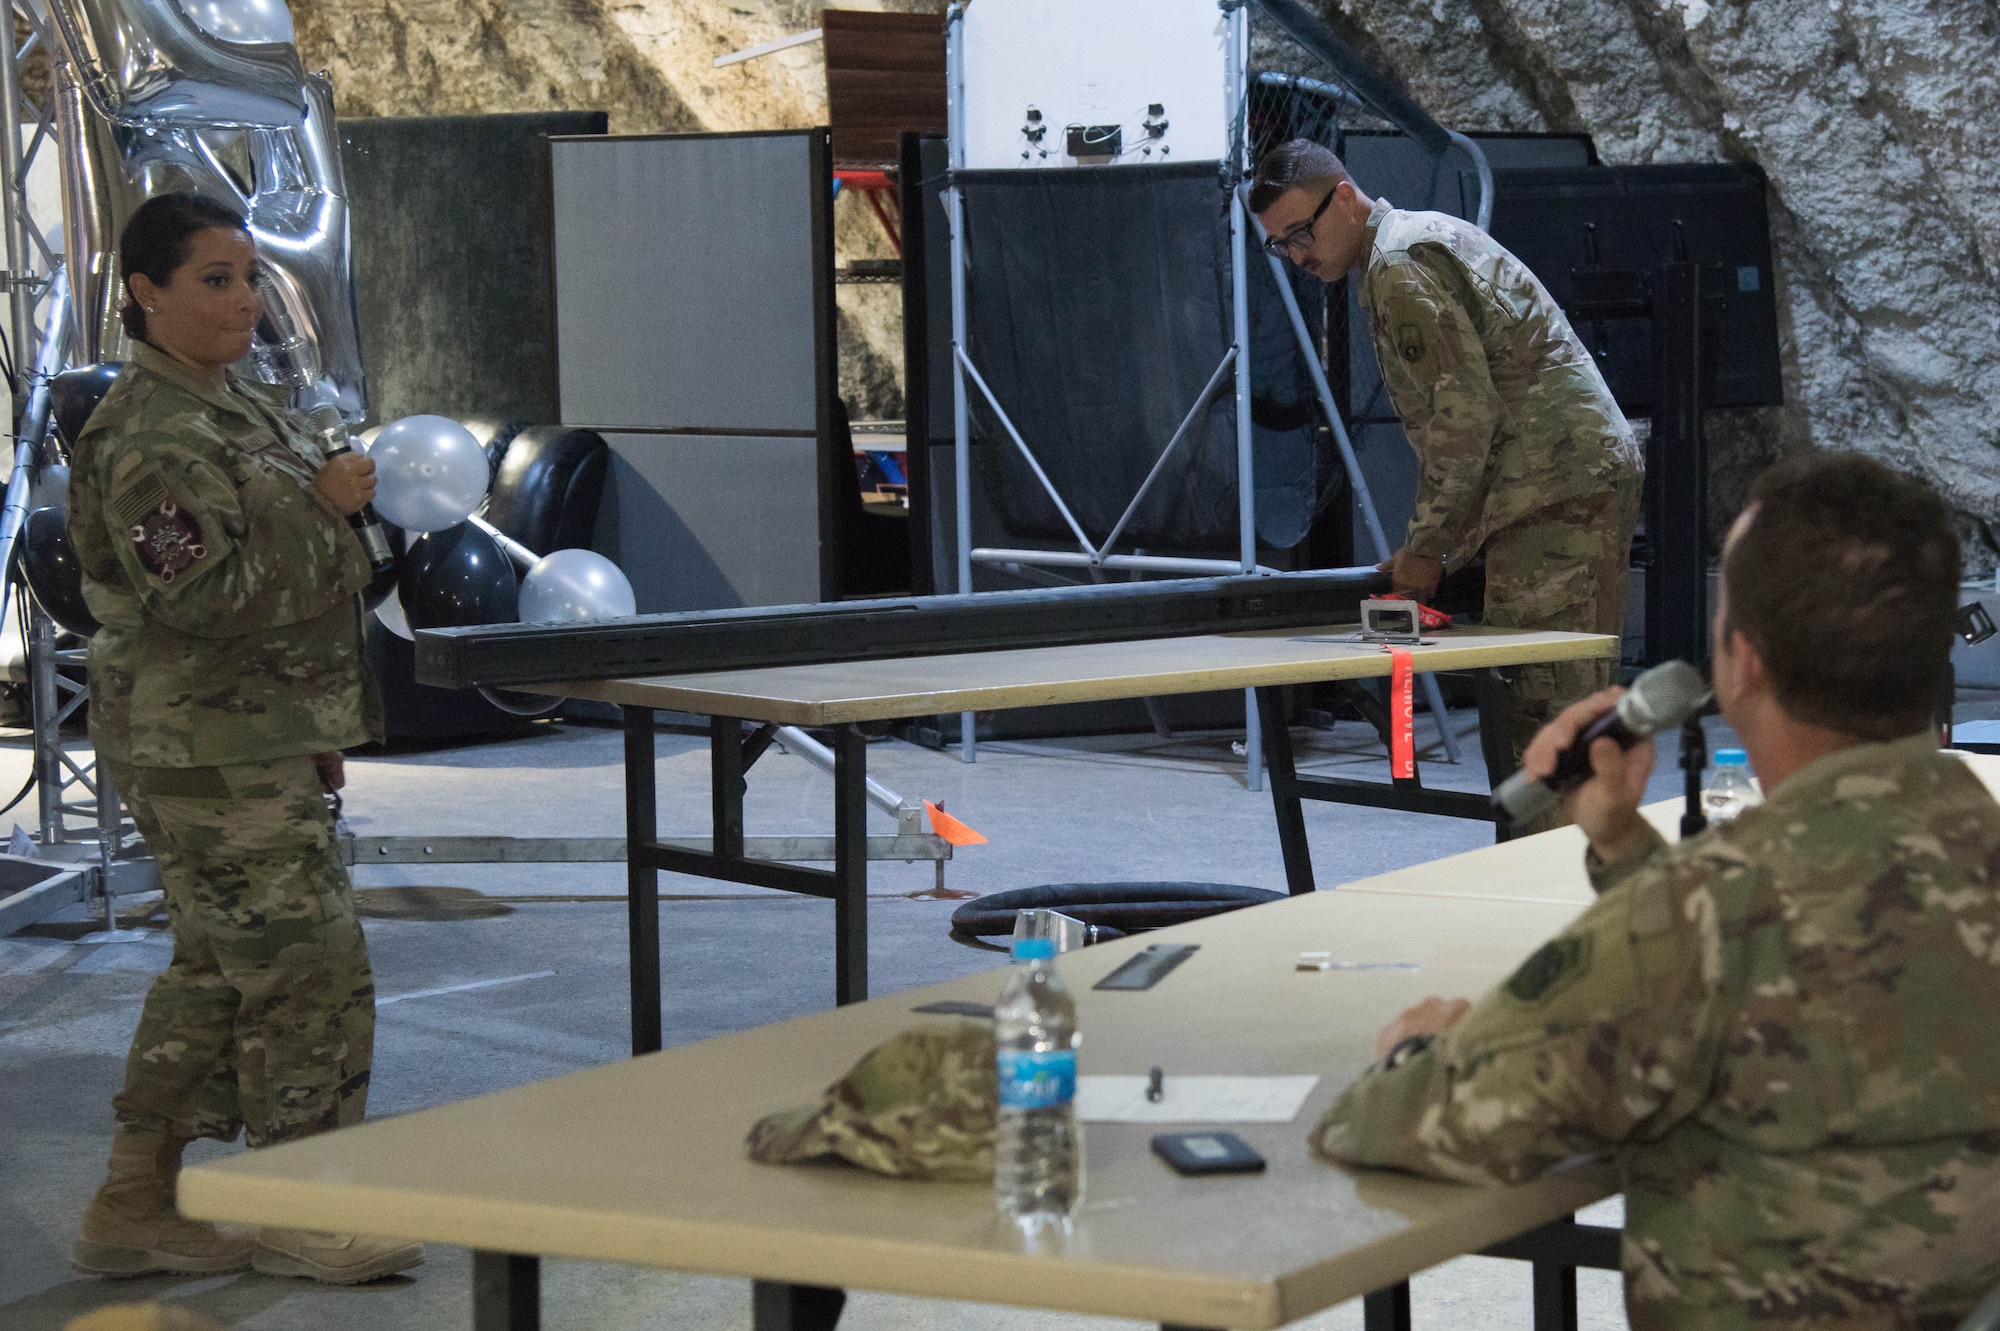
451, 261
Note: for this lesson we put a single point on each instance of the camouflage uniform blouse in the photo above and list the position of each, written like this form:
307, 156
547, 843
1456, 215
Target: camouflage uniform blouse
1786, 1031
226, 588
1504, 406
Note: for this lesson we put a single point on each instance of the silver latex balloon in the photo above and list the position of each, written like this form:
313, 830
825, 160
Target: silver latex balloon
575, 584
390, 612
143, 108
242, 21
430, 473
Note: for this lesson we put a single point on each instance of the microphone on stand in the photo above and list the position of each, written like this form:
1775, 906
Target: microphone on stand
1659, 699
329, 427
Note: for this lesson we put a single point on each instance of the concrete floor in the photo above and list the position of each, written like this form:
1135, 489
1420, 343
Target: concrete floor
538, 987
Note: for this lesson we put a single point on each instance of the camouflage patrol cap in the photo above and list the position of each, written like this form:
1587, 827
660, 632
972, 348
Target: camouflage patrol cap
919, 1106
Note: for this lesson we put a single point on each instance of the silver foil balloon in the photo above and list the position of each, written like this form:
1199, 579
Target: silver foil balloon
242, 22
148, 102
149, 61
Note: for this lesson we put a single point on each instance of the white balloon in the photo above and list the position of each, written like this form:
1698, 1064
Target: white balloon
430, 473
390, 612
575, 584
242, 20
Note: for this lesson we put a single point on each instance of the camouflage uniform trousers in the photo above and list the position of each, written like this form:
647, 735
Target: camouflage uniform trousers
1562, 568
265, 1019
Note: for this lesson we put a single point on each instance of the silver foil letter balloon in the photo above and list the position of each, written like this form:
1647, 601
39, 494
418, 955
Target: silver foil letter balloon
154, 97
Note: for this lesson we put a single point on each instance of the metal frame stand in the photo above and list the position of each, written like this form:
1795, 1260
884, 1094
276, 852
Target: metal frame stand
1235, 362
34, 276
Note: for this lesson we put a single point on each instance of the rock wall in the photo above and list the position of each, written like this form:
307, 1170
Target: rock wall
1870, 117
650, 65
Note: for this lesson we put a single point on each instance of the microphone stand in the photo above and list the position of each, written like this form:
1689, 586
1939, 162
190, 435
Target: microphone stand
1694, 761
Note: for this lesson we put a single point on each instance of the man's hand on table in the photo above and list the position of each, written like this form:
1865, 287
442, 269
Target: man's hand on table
1433, 1016
1606, 806
1414, 576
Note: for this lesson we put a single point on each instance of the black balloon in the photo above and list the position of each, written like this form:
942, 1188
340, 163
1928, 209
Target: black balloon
74, 394
54, 575
457, 576
516, 703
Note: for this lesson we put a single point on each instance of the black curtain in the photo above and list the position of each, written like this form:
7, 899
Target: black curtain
1098, 306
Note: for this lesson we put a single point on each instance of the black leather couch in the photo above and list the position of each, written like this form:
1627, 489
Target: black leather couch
547, 481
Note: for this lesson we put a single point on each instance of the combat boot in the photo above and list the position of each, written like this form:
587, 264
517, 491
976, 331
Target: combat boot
132, 1228
333, 1259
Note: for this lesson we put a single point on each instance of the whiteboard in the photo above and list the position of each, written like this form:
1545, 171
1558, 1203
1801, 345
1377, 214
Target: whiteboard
1093, 64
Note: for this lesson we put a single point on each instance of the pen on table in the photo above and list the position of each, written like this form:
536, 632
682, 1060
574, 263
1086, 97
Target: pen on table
1156, 1090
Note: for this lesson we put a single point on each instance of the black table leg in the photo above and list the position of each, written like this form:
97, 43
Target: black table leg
725, 786
1387, 1309
1284, 776
1555, 1251
642, 879
506, 1292
1496, 742
779, 1307
850, 867
1555, 1297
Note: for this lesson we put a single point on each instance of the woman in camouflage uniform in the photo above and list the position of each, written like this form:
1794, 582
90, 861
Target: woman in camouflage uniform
226, 680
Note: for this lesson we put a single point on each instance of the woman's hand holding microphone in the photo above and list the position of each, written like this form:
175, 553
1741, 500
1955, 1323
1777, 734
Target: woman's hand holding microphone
346, 483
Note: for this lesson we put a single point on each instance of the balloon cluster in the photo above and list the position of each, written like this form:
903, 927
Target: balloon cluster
430, 476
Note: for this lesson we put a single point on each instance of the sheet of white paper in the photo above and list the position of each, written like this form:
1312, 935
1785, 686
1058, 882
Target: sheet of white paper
1192, 1099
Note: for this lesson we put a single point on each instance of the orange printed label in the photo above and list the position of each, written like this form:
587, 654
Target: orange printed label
1402, 722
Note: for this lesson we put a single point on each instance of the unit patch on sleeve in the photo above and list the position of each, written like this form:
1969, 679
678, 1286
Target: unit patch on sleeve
1410, 342
168, 539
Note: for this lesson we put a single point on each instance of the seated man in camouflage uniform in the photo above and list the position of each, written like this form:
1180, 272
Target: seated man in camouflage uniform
1522, 453
1781, 1029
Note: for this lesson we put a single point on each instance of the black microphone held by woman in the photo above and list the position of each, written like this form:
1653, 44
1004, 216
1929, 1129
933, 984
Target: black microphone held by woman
330, 429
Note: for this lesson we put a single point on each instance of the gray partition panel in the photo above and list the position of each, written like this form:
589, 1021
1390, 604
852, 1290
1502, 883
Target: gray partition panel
709, 522
685, 281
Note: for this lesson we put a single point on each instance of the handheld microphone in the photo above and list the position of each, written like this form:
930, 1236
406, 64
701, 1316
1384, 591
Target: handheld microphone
330, 429
1662, 698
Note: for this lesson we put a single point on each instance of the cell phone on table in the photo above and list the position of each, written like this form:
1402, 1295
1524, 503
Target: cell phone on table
1207, 1153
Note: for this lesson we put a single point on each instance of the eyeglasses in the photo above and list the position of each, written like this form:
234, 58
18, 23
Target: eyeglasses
1281, 247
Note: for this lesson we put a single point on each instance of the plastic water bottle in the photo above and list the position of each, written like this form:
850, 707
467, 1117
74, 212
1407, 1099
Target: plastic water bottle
1037, 1148
1729, 791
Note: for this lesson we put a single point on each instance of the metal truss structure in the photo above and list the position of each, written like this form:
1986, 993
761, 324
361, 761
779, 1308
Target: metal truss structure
75, 853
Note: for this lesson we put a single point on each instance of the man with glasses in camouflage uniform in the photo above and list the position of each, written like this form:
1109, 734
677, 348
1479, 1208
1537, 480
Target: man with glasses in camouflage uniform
1522, 452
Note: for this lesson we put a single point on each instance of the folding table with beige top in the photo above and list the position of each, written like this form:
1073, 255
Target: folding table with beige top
643, 1162
842, 695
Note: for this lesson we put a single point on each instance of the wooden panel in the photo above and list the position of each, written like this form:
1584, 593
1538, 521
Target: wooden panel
643, 1161
884, 75
844, 691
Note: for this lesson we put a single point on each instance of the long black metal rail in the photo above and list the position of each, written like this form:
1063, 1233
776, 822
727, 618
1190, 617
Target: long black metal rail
514, 655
